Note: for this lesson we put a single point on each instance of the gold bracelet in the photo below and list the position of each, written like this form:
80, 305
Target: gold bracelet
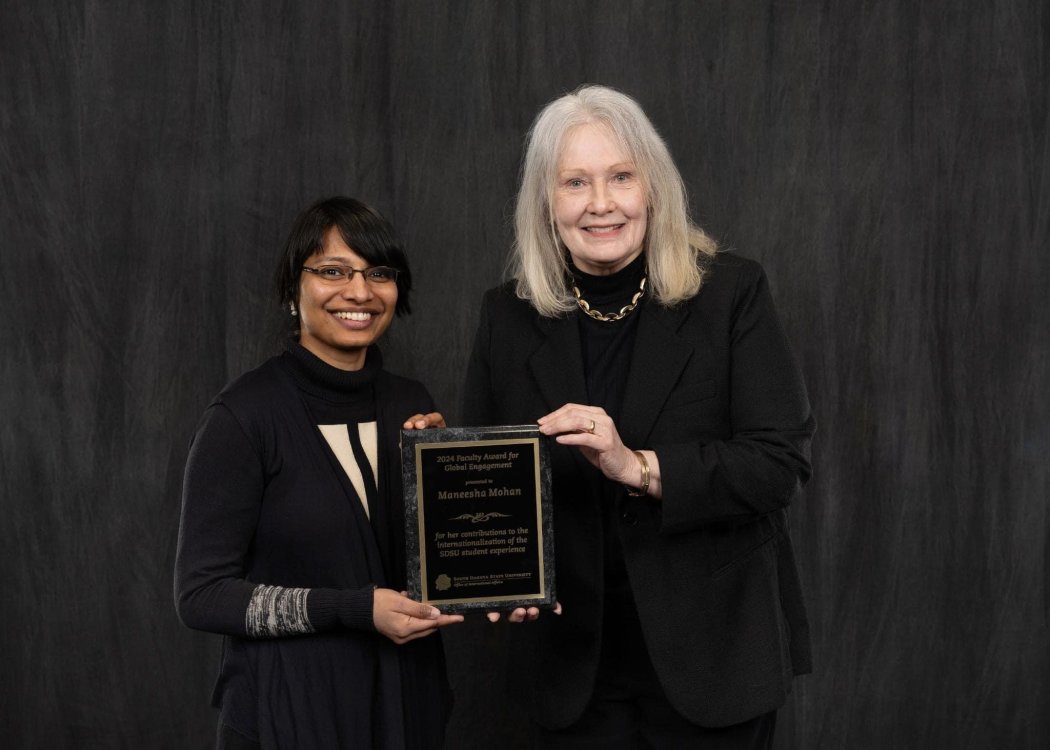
644, 489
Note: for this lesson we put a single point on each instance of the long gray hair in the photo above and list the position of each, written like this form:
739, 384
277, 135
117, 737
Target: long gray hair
674, 246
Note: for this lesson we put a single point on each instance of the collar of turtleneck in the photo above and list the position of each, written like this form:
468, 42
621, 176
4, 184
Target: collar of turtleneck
613, 291
318, 378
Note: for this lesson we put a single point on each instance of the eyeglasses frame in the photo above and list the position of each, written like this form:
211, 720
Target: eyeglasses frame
349, 271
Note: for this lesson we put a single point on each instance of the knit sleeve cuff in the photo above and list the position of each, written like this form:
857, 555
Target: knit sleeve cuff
341, 609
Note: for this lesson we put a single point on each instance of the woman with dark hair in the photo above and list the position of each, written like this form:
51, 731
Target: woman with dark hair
291, 536
681, 434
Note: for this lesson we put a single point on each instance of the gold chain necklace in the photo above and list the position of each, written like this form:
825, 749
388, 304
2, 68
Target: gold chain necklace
610, 317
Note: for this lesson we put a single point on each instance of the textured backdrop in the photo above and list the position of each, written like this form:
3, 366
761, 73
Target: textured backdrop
888, 162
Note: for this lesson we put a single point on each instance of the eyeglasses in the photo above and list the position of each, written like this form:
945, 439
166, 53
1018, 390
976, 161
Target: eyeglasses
339, 274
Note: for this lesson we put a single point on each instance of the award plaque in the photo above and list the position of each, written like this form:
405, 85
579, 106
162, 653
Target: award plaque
478, 520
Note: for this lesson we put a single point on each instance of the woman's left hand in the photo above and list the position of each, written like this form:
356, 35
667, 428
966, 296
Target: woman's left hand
522, 614
591, 430
423, 421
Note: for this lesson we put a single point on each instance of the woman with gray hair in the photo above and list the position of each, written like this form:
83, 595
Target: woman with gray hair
681, 431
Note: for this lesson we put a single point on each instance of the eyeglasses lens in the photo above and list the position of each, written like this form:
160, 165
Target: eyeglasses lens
339, 274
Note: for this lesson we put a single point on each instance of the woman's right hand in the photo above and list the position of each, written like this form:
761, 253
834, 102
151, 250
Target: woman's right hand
423, 421
401, 619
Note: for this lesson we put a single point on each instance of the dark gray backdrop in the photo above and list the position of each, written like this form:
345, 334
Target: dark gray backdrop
889, 163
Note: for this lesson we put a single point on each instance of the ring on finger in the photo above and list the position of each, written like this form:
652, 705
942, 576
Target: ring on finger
591, 428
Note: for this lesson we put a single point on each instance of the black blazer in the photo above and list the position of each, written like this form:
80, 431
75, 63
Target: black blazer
715, 391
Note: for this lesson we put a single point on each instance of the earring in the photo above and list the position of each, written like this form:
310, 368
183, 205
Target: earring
291, 308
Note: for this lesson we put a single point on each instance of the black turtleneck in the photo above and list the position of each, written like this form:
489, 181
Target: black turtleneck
340, 397
607, 348
607, 345
334, 396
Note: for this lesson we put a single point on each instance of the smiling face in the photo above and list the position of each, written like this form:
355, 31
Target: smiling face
599, 202
338, 322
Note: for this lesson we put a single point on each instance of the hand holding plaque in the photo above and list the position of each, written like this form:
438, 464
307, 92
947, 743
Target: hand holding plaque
478, 520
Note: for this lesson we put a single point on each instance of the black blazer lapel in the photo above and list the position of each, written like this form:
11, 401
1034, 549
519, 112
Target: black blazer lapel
557, 365
659, 357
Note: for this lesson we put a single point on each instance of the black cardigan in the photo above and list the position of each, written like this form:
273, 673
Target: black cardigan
265, 501
714, 390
